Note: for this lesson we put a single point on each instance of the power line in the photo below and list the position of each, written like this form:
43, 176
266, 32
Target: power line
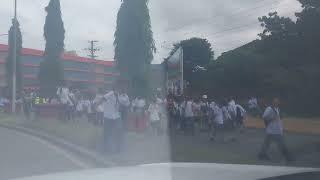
240, 12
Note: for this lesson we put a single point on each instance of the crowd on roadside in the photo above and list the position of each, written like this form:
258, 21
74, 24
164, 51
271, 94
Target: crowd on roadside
117, 113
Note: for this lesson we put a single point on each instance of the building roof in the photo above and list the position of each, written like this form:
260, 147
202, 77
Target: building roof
70, 57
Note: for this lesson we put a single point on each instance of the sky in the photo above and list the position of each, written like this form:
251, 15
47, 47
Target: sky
226, 24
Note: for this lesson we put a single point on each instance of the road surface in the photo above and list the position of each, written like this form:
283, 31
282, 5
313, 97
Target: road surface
24, 155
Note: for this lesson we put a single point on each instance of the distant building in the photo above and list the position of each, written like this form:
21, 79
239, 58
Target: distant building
79, 72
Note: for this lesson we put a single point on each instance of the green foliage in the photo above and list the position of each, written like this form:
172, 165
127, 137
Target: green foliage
196, 52
9, 60
134, 44
51, 71
285, 62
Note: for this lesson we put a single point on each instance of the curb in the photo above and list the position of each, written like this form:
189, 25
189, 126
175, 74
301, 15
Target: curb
92, 156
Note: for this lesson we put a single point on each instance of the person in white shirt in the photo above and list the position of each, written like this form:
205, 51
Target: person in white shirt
63, 93
253, 106
124, 102
217, 118
139, 108
232, 112
154, 111
274, 132
204, 121
113, 125
99, 107
189, 107
240, 116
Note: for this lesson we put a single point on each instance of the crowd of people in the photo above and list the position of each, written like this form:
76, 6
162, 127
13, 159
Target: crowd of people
117, 113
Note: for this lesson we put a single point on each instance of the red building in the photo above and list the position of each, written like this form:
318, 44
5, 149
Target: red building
79, 72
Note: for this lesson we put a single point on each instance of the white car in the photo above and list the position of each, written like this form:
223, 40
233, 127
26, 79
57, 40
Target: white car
188, 171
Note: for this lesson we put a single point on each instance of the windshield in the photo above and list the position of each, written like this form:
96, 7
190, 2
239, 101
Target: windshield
91, 84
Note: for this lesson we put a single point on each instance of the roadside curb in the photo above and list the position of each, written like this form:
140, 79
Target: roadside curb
94, 157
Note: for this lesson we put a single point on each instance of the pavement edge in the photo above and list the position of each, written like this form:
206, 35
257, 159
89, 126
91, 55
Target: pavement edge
96, 158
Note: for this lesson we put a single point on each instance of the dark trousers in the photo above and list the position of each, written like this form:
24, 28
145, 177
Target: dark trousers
279, 140
113, 135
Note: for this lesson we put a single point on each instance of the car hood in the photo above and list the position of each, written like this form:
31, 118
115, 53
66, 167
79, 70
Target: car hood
178, 171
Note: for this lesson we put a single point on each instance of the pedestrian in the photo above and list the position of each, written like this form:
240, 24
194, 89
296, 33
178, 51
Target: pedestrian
240, 116
124, 102
274, 132
217, 118
98, 107
196, 107
139, 108
154, 111
204, 121
27, 104
63, 95
113, 126
188, 107
232, 112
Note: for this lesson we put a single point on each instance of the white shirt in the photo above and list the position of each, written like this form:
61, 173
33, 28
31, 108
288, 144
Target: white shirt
242, 110
253, 103
99, 108
226, 114
232, 108
218, 114
63, 94
154, 110
111, 106
189, 109
272, 115
124, 100
139, 104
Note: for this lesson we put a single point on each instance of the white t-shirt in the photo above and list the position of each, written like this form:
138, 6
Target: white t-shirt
154, 110
226, 114
253, 103
272, 115
189, 109
139, 104
232, 108
99, 108
63, 94
111, 106
242, 110
218, 114
124, 100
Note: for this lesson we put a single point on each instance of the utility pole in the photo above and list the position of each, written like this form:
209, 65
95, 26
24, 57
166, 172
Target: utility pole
92, 49
14, 78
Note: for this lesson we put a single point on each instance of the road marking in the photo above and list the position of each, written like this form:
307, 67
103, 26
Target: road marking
60, 151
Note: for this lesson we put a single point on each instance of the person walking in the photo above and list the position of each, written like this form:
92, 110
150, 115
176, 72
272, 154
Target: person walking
113, 126
188, 107
274, 132
204, 122
216, 114
240, 116
154, 111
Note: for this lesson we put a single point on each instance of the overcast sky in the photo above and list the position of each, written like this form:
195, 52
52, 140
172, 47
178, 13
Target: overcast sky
226, 23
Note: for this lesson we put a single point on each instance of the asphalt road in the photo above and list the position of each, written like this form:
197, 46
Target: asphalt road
23, 156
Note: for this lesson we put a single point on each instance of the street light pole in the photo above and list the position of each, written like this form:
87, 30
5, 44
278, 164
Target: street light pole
14, 78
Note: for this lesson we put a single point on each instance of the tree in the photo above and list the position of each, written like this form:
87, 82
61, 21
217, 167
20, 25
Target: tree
196, 52
51, 70
9, 60
284, 62
134, 44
